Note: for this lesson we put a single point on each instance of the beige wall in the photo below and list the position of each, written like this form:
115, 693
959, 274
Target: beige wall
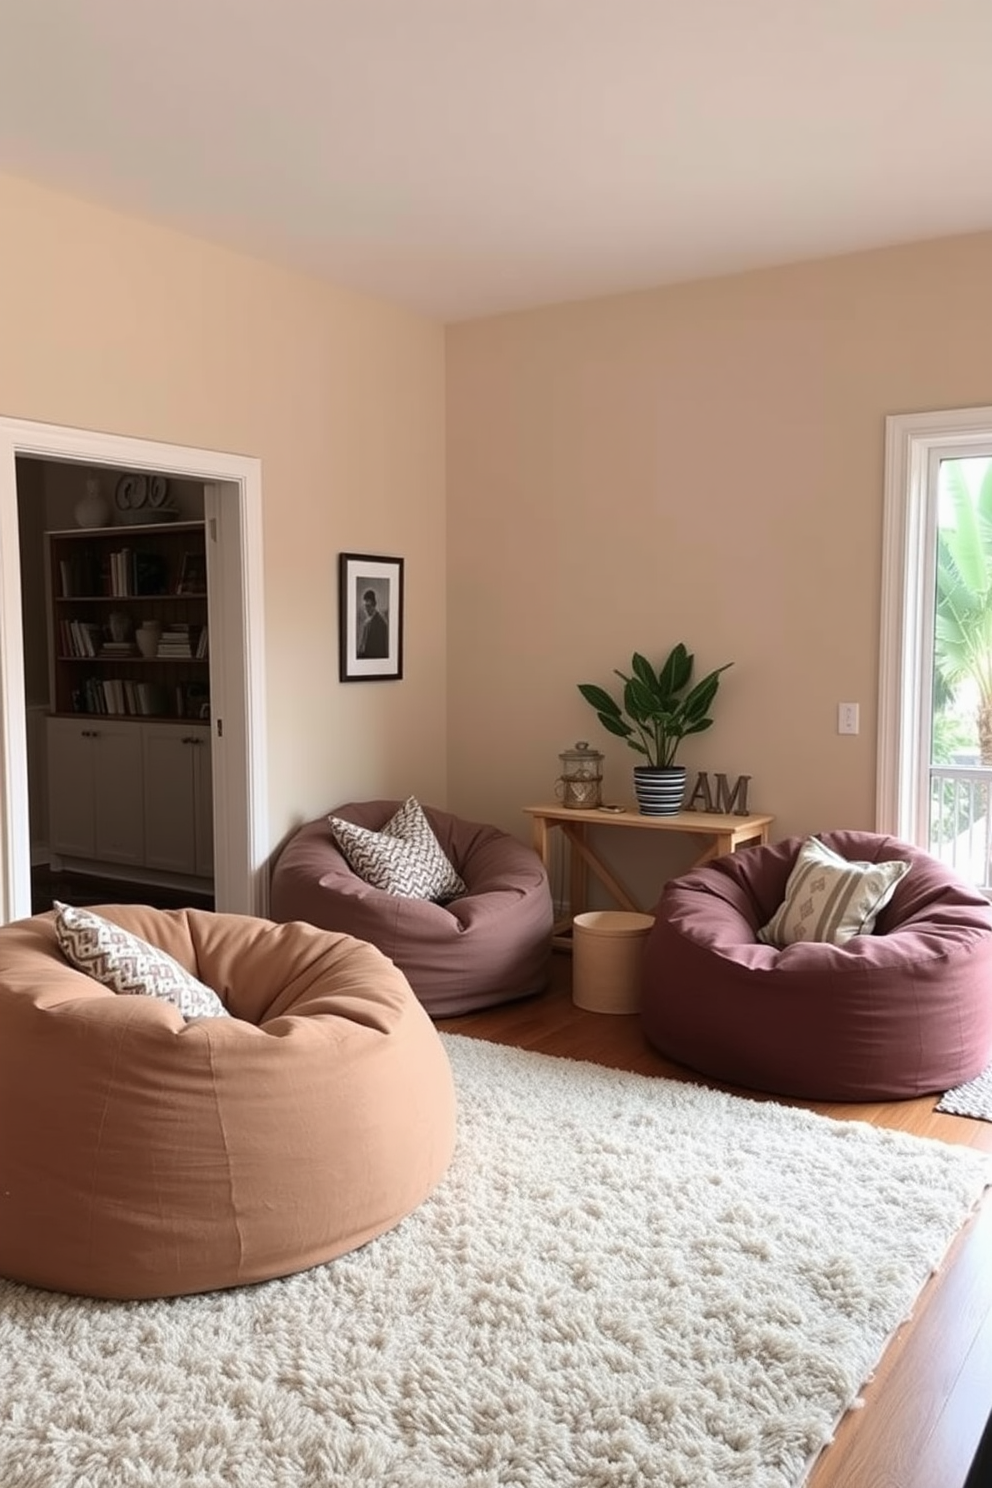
700, 463
113, 324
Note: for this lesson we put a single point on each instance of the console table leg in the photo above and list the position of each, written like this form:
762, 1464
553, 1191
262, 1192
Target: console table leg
578, 878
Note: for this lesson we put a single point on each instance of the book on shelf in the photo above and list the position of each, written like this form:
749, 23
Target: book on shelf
121, 695
80, 575
86, 638
149, 573
152, 698
136, 572
81, 637
118, 574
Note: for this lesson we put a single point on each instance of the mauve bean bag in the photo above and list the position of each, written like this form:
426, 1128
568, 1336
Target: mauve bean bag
142, 1156
902, 1012
490, 946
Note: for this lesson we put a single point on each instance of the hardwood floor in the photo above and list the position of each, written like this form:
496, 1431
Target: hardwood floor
927, 1406
84, 888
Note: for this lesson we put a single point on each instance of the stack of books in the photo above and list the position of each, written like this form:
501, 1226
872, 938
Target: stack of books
176, 642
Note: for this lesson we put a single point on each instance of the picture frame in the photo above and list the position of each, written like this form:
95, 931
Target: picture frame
193, 574
370, 617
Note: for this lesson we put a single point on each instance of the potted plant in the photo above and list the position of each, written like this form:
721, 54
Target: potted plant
659, 710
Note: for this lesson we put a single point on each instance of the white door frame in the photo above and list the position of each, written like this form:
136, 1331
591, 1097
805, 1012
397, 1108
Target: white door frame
233, 510
915, 443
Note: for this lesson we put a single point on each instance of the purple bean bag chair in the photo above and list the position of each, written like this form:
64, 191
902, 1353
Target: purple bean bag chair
902, 1012
491, 945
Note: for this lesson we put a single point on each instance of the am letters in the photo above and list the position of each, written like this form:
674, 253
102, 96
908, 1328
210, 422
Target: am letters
729, 800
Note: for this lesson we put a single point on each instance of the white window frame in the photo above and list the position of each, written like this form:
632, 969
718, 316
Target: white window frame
915, 444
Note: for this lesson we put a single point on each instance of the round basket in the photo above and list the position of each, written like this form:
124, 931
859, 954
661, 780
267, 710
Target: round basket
607, 947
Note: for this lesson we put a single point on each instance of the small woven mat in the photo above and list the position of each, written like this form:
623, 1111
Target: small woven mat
972, 1099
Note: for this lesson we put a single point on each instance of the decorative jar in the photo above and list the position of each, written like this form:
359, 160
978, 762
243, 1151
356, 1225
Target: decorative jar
580, 781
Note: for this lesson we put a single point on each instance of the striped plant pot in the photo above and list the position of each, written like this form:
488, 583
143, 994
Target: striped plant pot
659, 791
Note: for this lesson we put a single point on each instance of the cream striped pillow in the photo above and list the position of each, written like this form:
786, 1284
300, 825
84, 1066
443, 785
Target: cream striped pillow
830, 899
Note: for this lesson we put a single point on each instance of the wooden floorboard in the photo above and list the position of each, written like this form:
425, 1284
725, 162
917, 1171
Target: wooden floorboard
926, 1409
83, 888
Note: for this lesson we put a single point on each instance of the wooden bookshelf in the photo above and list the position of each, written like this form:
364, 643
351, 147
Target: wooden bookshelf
105, 582
128, 736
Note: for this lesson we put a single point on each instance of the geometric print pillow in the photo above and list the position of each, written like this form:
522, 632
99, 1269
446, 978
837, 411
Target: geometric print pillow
405, 858
830, 899
129, 965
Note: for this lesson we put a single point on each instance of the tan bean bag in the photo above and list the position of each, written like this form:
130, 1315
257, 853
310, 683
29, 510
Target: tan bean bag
142, 1156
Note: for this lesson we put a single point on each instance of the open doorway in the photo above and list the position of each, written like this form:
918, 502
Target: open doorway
231, 488
117, 686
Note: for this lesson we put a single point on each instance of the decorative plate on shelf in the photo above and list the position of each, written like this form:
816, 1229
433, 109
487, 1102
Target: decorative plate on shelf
131, 492
142, 498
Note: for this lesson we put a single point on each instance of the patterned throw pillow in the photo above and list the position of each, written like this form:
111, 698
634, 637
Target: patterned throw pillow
129, 965
830, 899
405, 858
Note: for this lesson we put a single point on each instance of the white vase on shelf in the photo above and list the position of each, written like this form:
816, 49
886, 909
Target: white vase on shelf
147, 637
92, 509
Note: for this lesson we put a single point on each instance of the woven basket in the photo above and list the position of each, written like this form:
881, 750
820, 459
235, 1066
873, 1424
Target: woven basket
607, 947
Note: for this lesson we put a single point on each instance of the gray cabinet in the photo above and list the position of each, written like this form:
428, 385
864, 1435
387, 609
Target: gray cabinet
131, 793
178, 798
95, 790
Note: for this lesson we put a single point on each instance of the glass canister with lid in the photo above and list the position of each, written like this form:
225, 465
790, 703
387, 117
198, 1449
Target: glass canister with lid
580, 780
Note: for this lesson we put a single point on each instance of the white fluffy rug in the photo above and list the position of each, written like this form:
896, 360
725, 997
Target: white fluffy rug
622, 1283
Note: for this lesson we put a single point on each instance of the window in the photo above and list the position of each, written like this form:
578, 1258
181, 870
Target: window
934, 786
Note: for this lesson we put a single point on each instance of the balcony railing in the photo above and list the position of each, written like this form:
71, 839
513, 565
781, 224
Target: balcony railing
961, 821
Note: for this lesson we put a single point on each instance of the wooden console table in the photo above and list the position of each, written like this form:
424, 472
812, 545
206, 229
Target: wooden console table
725, 833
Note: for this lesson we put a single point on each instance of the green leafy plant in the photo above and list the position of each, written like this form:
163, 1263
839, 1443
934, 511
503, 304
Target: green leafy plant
659, 711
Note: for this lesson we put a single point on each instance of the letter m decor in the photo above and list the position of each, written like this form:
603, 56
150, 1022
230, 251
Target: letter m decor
730, 802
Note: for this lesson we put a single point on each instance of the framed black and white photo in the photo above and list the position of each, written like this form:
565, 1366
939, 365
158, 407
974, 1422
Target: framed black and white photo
370, 623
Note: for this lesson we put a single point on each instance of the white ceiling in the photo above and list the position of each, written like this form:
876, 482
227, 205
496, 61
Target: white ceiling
463, 157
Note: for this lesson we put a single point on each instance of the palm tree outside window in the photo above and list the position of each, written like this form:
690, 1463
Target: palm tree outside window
961, 734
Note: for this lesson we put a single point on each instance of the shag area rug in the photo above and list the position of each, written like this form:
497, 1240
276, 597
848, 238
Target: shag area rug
971, 1099
622, 1282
